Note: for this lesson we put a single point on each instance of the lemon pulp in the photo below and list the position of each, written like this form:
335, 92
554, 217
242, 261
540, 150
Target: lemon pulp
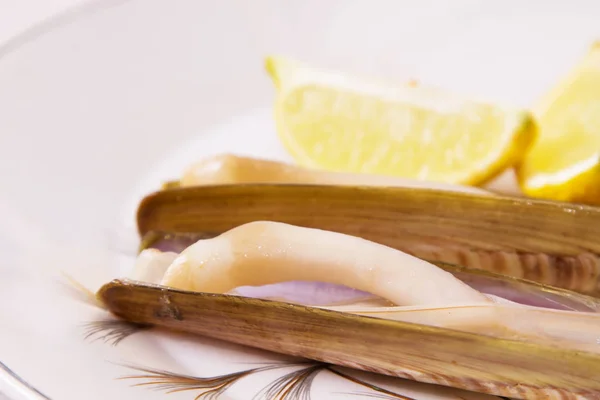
333, 121
564, 163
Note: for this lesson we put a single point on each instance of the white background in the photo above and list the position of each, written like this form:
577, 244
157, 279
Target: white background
17, 16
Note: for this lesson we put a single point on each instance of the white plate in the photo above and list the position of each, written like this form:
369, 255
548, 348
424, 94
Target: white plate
100, 105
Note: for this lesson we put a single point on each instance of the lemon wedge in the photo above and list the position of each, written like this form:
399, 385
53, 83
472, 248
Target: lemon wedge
564, 163
330, 120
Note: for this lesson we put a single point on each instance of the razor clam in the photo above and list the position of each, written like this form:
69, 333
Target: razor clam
262, 253
557, 244
231, 169
492, 347
508, 287
427, 354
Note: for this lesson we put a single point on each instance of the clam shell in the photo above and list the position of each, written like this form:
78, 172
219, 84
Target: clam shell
480, 363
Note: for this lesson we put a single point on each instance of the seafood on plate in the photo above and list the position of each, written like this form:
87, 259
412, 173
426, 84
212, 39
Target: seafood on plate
350, 301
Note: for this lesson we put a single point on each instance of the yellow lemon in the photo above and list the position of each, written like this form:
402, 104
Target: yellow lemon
330, 120
564, 163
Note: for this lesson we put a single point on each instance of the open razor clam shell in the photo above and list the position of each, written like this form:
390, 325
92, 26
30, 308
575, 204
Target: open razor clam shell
557, 244
427, 354
511, 288
266, 253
